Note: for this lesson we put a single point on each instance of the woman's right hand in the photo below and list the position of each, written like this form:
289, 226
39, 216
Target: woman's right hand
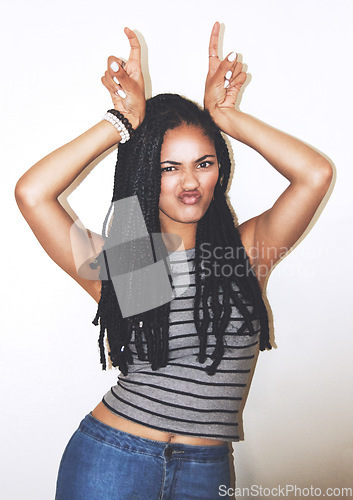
128, 95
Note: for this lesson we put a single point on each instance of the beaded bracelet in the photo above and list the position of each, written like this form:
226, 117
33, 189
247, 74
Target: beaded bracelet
118, 124
123, 119
121, 123
125, 136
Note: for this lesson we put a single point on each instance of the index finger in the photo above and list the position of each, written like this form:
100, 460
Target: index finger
213, 59
135, 48
213, 47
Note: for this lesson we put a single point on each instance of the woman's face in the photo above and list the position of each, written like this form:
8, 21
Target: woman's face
189, 174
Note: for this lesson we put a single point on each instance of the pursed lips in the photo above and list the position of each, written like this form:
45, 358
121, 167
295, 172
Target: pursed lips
190, 197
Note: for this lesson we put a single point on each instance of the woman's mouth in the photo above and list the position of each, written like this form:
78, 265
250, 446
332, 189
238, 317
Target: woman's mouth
190, 198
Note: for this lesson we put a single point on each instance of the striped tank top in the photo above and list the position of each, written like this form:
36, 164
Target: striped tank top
181, 398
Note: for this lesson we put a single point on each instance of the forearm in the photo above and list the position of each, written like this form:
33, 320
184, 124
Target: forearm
49, 177
289, 156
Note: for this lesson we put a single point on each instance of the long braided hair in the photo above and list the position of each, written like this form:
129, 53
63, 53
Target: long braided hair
138, 173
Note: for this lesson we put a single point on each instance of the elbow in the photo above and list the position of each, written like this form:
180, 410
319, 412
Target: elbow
321, 175
24, 195
19, 192
327, 171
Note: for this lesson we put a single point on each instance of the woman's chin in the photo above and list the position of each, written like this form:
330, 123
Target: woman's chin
191, 214
186, 214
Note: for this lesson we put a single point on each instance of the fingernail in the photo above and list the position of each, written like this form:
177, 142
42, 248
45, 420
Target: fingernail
116, 80
232, 56
122, 93
115, 66
226, 83
228, 75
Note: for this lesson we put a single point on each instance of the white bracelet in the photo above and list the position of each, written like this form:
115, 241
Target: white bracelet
118, 124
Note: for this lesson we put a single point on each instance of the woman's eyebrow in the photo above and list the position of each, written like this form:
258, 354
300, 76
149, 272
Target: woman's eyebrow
196, 161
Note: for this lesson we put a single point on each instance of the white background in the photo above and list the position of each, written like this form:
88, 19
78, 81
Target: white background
299, 413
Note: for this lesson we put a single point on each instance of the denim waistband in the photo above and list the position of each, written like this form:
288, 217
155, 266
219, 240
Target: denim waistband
129, 442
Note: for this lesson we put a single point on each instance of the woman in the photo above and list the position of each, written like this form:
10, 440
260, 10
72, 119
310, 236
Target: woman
163, 430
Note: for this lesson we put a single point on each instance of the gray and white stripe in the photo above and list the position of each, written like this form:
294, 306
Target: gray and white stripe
182, 398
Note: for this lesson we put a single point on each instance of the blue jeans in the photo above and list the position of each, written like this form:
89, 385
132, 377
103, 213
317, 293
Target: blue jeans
103, 463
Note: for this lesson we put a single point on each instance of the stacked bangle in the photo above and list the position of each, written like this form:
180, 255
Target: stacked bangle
121, 123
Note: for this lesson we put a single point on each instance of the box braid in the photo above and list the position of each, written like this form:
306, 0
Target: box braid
138, 173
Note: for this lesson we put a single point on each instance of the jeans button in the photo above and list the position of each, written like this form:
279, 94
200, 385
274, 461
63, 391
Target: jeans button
168, 452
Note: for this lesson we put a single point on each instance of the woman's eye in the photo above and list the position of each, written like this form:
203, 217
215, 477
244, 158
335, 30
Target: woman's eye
205, 164
166, 169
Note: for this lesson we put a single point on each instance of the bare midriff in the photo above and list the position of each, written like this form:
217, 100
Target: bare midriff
102, 413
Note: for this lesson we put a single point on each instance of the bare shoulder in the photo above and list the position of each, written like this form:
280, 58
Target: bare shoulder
247, 235
93, 286
247, 231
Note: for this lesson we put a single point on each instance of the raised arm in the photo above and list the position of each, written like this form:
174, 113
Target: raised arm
276, 230
38, 189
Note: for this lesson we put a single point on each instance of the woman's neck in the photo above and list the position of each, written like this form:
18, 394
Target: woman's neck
185, 231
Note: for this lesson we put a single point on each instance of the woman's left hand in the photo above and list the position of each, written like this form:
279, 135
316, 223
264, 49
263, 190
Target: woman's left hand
224, 79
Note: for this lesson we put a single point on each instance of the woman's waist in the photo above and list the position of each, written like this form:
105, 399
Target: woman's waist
102, 413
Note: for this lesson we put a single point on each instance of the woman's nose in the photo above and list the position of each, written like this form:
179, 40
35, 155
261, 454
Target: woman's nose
190, 181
